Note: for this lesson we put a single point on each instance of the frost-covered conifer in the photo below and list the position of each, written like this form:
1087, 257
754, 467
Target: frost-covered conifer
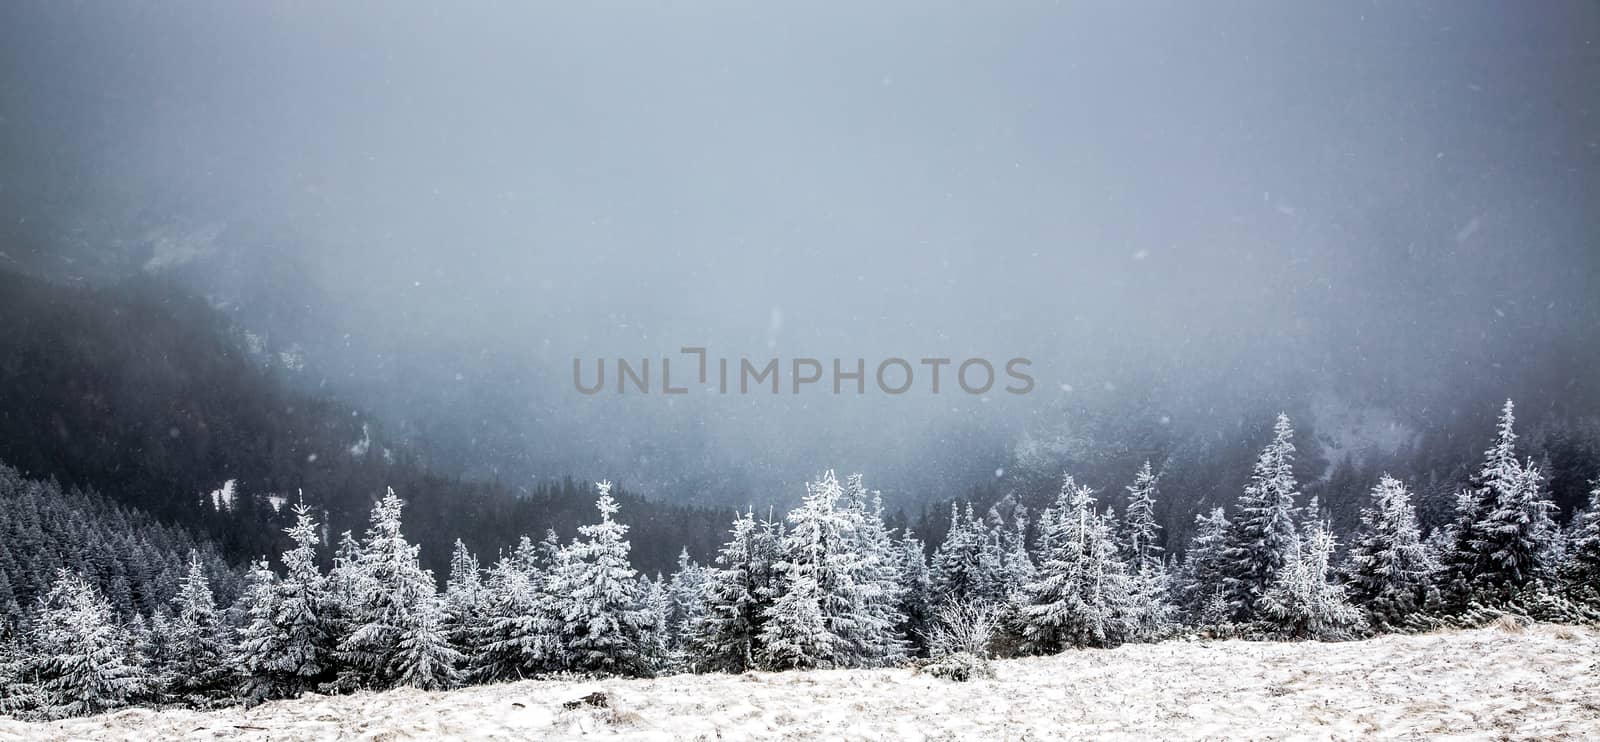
1582, 564
1080, 596
1304, 602
287, 647
737, 593
1263, 533
604, 622
1501, 538
1391, 568
1150, 607
961, 569
423, 656
83, 662
394, 588
197, 671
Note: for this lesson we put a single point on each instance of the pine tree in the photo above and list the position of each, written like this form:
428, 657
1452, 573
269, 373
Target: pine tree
1391, 568
657, 643
737, 594
423, 656
686, 602
393, 602
1263, 535
1150, 605
796, 636
464, 597
1501, 537
811, 623
515, 636
84, 663
197, 672
962, 569
288, 646
916, 606
1140, 530
18, 694
1582, 569
1080, 596
1303, 601
604, 620
871, 575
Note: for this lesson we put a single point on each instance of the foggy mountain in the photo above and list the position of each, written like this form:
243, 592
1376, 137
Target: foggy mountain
1378, 218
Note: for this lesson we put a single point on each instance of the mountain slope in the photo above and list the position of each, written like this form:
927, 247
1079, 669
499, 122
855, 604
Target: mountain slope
141, 392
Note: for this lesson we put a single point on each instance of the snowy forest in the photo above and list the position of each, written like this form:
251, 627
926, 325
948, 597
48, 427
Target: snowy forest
884, 370
827, 585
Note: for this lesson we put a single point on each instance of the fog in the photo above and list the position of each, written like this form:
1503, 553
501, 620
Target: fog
1188, 212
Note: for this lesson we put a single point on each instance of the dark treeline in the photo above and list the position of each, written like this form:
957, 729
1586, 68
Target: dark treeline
148, 396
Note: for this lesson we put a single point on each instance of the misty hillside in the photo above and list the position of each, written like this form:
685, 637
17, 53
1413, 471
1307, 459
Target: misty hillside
147, 396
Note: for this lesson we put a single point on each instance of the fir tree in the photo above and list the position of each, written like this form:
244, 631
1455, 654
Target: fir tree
1263, 534
197, 672
796, 636
737, 594
961, 569
686, 602
515, 635
423, 656
604, 620
1080, 596
1502, 533
287, 648
1150, 606
392, 604
464, 597
1582, 565
1303, 601
83, 662
1391, 569
916, 608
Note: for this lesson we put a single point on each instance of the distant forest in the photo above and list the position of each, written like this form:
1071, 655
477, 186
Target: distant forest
147, 395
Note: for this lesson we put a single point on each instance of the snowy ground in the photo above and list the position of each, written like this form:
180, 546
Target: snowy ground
1543, 683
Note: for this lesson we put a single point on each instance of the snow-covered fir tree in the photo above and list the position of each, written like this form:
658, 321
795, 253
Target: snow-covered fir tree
18, 692
604, 622
1304, 602
1582, 562
392, 605
1080, 597
423, 656
1150, 608
1391, 568
1500, 539
83, 662
1262, 535
796, 635
1140, 531
872, 569
657, 644
515, 636
464, 596
838, 553
287, 648
196, 671
962, 568
738, 592
686, 603
916, 610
